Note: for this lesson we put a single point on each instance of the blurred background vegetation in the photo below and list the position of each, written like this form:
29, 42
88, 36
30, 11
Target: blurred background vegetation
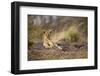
74, 28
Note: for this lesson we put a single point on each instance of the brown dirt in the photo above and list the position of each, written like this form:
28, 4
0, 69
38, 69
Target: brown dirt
75, 51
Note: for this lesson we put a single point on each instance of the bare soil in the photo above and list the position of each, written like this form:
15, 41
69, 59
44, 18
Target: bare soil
69, 51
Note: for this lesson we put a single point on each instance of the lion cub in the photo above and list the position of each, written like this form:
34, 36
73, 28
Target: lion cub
47, 42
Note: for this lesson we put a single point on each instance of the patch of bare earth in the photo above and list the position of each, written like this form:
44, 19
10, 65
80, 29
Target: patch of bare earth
76, 51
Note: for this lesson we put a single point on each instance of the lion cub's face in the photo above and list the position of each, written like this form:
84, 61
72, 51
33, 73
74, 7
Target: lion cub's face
47, 34
47, 42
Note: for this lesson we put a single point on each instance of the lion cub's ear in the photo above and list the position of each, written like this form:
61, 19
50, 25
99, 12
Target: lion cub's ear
44, 31
50, 31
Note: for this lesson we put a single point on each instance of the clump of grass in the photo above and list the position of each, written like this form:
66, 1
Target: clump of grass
30, 43
72, 34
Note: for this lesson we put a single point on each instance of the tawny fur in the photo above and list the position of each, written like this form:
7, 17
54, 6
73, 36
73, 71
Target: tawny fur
47, 42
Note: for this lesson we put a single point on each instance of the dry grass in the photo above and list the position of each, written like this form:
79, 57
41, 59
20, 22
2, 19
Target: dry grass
68, 32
